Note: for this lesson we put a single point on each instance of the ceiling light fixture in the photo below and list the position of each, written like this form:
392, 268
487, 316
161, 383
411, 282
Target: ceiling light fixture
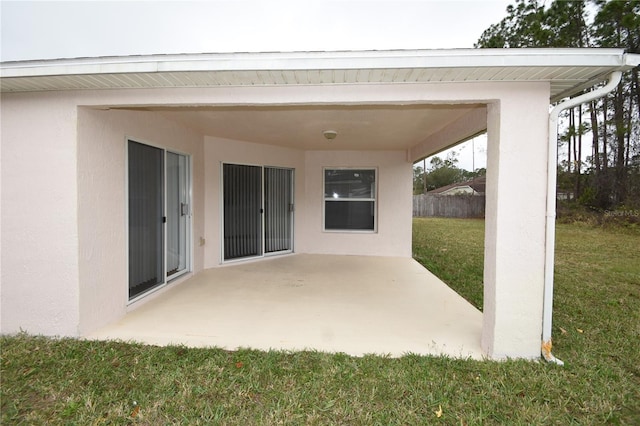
330, 134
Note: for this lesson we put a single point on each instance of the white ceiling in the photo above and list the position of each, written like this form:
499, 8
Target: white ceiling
370, 127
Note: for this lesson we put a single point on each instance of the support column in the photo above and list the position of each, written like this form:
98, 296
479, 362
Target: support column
515, 224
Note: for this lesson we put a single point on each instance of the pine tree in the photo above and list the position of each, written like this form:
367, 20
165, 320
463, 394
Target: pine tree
615, 120
617, 24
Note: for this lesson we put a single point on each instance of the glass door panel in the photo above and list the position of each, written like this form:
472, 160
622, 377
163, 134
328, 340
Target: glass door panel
146, 206
242, 204
278, 209
177, 213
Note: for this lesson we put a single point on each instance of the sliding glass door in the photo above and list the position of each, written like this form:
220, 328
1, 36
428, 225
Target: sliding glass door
159, 219
242, 211
278, 209
258, 210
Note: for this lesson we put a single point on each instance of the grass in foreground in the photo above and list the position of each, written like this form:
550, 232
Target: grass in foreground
65, 381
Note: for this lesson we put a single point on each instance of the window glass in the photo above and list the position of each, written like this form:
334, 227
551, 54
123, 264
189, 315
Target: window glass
350, 199
349, 183
349, 215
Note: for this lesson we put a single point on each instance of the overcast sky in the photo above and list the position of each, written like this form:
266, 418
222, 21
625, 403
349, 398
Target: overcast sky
52, 29
49, 30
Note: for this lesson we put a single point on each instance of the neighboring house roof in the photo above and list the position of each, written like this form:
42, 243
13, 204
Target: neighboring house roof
474, 186
567, 70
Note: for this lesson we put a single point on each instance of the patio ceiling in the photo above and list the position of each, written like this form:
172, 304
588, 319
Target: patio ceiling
362, 127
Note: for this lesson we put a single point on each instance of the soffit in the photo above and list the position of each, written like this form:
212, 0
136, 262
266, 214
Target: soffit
567, 70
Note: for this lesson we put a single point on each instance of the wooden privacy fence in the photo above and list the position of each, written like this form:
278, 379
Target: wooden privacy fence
460, 206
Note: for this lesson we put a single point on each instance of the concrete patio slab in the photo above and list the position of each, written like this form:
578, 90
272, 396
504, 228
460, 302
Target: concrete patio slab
352, 304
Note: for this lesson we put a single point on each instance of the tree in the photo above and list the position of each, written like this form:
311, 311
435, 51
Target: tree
528, 24
439, 173
442, 173
467, 175
614, 121
521, 28
418, 180
617, 24
565, 25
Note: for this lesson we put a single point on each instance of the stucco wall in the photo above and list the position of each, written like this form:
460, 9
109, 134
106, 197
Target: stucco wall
515, 223
40, 291
394, 204
393, 236
102, 211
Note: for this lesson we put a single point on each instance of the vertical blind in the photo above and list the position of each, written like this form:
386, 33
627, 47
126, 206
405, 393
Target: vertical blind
244, 199
242, 194
278, 205
146, 203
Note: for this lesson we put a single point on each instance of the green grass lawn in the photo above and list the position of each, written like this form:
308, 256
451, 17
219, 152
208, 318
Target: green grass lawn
596, 332
454, 251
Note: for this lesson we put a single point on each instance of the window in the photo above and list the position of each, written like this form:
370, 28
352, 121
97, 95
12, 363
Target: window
350, 199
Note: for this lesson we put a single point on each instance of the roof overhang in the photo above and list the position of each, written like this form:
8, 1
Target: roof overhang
419, 128
567, 70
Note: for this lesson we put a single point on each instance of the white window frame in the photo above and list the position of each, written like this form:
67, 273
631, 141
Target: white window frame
330, 199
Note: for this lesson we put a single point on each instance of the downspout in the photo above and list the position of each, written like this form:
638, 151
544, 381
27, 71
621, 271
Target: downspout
550, 236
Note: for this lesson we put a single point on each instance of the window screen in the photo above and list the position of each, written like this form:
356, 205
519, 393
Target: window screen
349, 199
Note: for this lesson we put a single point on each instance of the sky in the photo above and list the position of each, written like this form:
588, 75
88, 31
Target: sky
53, 29
50, 29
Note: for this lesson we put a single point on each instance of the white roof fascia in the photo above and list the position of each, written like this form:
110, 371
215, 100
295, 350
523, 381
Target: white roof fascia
457, 58
629, 61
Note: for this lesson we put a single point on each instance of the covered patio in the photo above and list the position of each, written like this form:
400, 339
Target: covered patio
95, 140
352, 304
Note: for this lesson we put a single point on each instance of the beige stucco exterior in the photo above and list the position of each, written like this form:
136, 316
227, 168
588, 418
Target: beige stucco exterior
40, 264
514, 226
102, 209
64, 247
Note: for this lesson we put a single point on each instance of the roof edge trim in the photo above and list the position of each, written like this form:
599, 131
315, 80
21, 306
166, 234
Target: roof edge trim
458, 58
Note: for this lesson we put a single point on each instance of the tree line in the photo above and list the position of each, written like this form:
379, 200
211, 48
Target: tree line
610, 176
441, 173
